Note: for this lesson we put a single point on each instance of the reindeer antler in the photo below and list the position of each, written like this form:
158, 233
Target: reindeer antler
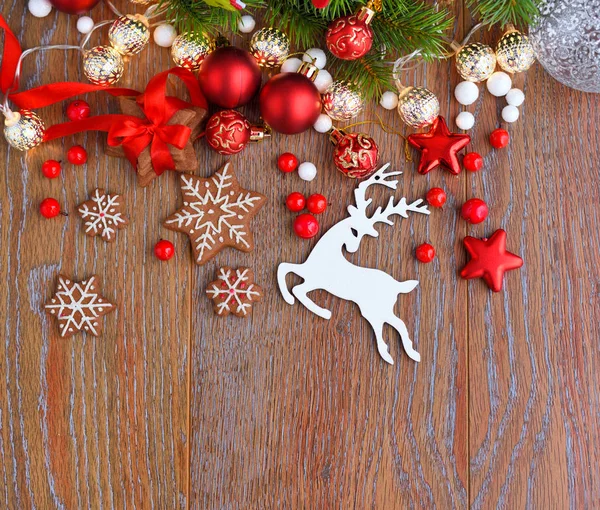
379, 177
401, 208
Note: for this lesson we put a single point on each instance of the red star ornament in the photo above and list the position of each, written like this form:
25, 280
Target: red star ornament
439, 147
489, 259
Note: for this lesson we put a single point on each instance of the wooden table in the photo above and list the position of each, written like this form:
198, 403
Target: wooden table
173, 407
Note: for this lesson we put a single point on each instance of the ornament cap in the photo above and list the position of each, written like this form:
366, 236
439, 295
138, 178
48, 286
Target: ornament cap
309, 70
259, 133
336, 135
366, 14
11, 118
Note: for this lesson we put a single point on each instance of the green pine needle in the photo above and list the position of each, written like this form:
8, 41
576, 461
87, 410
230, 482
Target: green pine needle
504, 12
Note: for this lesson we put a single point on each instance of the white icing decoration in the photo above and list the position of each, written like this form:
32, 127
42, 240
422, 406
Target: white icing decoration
326, 267
98, 219
233, 290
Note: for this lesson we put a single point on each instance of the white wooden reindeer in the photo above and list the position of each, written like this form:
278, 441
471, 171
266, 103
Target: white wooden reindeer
374, 291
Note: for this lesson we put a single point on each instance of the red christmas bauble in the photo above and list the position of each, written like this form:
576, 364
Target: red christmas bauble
499, 138
73, 6
306, 226
320, 4
474, 210
290, 103
425, 253
164, 250
356, 155
349, 37
51, 168
229, 77
78, 110
49, 208
295, 201
436, 197
228, 132
77, 155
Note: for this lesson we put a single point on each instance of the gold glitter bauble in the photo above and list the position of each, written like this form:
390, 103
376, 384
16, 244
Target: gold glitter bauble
514, 52
476, 62
342, 101
418, 106
270, 47
103, 65
24, 130
190, 51
129, 34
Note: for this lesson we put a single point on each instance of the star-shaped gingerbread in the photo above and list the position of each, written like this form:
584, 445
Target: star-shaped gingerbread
490, 259
216, 213
438, 147
78, 306
234, 291
103, 215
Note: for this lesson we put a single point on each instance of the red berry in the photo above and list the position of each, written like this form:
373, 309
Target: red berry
306, 226
77, 155
164, 250
49, 208
474, 210
499, 138
51, 169
425, 253
436, 197
78, 110
473, 162
295, 201
287, 162
316, 203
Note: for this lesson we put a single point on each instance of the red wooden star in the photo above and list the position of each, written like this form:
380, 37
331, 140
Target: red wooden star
489, 259
439, 147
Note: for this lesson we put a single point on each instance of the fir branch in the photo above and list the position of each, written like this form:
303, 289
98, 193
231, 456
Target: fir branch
299, 20
370, 74
504, 12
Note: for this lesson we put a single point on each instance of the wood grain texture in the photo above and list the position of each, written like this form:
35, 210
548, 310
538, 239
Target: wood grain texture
286, 410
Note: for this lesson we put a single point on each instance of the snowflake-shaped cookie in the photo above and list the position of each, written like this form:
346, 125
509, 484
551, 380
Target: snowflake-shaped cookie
103, 215
234, 291
78, 306
216, 213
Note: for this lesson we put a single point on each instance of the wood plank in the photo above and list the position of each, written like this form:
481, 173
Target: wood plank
532, 348
85, 422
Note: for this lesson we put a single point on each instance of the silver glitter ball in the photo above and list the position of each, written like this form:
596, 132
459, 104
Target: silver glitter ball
270, 47
475, 62
24, 130
129, 34
190, 51
103, 65
342, 101
418, 106
514, 52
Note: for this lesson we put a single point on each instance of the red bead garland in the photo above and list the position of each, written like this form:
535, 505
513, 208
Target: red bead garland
78, 110
436, 197
77, 155
473, 162
425, 253
499, 138
474, 210
295, 202
49, 208
51, 169
164, 250
306, 226
287, 162
316, 204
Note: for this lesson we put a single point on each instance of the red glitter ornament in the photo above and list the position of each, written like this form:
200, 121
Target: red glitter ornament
228, 132
164, 250
295, 201
306, 226
287, 162
355, 154
49, 208
499, 138
473, 162
436, 197
489, 259
351, 37
73, 6
229, 77
439, 147
290, 103
51, 169
77, 155
425, 253
316, 204
474, 211
78, 110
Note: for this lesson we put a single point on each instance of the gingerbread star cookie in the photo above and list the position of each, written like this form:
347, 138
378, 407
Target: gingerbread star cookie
103, 215
78, 306
234, 291
216, 213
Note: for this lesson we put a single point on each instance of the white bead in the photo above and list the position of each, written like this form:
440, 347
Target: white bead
291, 65
515, 97
466, 92
315, 56
323, 80
39, 8
510, 113
85, 25
164, 35
323, 123
307, 171
499, 84
246, 24
465, 120
389, 100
